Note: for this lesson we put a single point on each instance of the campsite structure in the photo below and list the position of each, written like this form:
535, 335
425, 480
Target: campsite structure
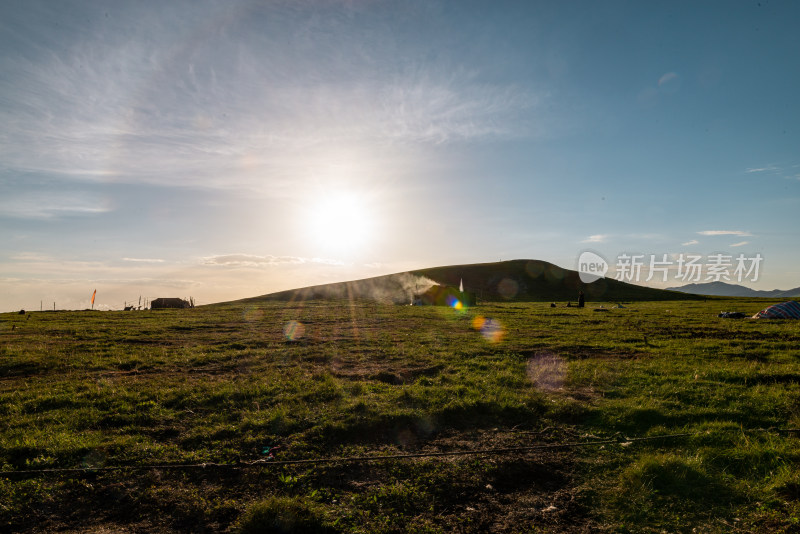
170, 303
784, 310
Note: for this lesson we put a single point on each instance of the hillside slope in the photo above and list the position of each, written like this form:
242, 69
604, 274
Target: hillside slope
535, 280
514, 280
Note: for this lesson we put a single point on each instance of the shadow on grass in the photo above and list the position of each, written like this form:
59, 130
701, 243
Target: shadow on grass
762, 379
671, 489
408, 430
638, 421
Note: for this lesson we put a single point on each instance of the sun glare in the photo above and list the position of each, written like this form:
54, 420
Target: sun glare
340, 223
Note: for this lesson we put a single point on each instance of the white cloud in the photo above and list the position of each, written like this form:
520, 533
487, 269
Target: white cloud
143, 260
786, 172
768, 168
725, 232
741, 244
689, 243
597, 238
668, 77
649, 237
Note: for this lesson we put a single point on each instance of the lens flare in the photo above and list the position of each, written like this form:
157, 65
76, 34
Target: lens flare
454, 303
251, 313
534, 268
491, 329
554, 274
508, 288
547, 371
294, 330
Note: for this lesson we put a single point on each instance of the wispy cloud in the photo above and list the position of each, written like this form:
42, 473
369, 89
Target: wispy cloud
57, 267
666, 78
228, 112
768, 168
52, 205
726, 232
31, 257
597, 238
689, 243
144, 282
785, 171
143, 260
741, 244
249, 260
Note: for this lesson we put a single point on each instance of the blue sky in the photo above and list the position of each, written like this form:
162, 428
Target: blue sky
230, 149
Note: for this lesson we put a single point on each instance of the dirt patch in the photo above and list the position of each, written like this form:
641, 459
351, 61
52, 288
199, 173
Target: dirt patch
386, 372
510, 493
547, 371
110, 528
581, 352
472, 494
585, 354
533, 489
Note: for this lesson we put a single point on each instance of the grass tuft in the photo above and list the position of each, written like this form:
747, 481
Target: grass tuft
284, 515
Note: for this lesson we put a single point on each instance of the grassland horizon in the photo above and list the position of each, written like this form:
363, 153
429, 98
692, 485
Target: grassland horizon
679, 419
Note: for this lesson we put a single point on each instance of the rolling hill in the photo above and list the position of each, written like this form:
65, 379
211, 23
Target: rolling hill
514, 280
722, 289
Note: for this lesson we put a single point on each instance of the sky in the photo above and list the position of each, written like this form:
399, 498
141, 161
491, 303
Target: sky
228, 149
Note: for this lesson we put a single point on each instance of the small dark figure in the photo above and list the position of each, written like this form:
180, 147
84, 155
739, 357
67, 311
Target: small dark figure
732, 315
569, 304
581, 299
552, 304
22, 312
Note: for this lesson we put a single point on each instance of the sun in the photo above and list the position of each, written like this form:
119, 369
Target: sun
340, 223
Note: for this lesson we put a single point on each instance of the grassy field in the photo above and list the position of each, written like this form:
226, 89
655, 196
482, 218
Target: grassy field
242, 387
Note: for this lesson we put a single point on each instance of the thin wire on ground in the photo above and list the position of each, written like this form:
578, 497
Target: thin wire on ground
376, 458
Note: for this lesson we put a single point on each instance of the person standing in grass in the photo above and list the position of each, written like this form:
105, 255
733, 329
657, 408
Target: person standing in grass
581, 299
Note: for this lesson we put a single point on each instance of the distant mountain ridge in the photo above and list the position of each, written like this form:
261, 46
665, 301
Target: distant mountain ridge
514, 280
723, 289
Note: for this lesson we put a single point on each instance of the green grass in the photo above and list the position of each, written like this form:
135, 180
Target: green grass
224, 385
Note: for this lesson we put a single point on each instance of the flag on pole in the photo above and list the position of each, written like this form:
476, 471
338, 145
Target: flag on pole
93, 294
